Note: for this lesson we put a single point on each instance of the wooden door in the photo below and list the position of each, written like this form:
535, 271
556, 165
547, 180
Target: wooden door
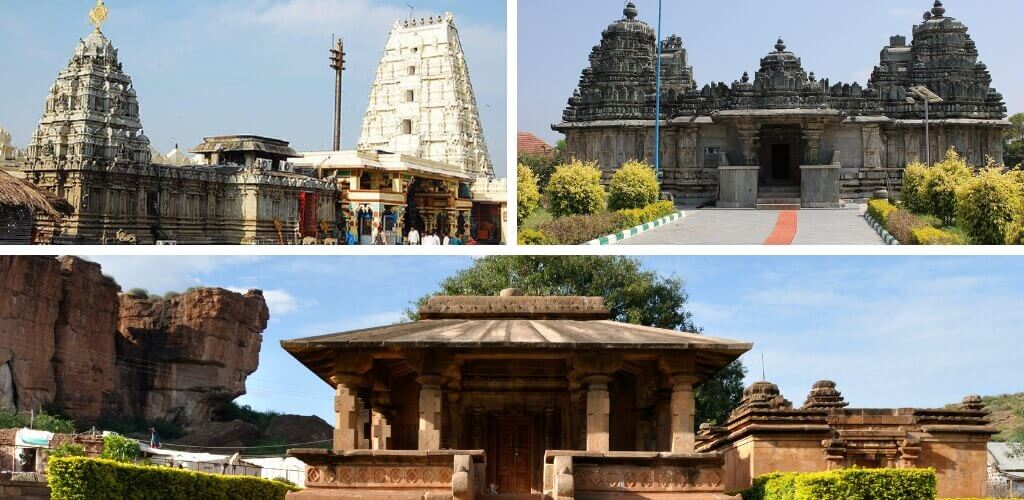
514, 443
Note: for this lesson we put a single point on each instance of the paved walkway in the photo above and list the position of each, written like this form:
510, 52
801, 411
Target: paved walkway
763, 227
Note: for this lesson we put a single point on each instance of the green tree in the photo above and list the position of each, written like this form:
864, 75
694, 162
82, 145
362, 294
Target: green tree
1013, 141
632, 294
120, 448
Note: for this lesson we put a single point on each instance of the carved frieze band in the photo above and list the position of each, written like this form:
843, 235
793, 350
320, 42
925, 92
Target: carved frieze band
646, 479
377, 477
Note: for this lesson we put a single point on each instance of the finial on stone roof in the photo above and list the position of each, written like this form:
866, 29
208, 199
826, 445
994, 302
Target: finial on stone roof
823, 396
630, 11
780, 46
746, 77
938, 10
973, 403
927, 15
99, 14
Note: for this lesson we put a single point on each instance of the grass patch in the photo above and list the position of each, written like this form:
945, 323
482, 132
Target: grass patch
538, 217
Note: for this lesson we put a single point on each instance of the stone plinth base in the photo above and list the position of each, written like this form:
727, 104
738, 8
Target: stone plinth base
738, 187
819, 186
391, 474
640, 475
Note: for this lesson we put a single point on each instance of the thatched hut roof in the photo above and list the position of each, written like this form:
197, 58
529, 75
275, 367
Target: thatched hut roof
15, 192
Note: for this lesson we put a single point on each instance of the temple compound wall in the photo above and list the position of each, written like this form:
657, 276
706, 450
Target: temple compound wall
784, 123
767, 434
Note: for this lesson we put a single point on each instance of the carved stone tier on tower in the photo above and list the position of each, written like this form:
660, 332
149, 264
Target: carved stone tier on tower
943, 58
91, 115
762, 396
620, 84
824, 396
422, 102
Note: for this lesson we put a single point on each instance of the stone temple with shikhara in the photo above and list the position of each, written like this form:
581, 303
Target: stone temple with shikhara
548, 397
783, 131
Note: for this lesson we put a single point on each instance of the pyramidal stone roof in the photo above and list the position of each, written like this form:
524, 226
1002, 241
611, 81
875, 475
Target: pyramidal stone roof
620, 85
512, 321
91, 116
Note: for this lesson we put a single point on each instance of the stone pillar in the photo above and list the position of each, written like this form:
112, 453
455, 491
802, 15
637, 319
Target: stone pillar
430, 412
683, 409
598, 411
748, 137
346, 412
812, 133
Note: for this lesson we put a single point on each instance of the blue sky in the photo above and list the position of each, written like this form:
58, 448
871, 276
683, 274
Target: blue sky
892, 332
205, 68
837, 40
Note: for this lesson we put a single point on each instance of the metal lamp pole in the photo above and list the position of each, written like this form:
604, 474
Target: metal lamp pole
927, 137
929, 98
657, 103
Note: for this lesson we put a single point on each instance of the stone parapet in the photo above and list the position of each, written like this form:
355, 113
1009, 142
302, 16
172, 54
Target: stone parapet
391, 474
738, 186
819, 186
570, 474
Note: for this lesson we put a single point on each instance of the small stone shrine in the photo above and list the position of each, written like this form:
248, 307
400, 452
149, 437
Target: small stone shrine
546, 396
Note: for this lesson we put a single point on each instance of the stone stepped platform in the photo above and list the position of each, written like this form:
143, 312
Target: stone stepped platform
778, 198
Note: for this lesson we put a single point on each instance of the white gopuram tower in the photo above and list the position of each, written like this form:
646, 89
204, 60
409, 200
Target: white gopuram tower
422, 102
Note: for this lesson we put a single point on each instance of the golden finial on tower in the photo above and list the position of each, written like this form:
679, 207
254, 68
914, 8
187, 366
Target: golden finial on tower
99, 14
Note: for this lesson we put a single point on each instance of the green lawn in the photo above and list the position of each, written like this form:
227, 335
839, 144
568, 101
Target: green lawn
539, 217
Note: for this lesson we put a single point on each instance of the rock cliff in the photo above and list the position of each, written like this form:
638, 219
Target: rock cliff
70, 339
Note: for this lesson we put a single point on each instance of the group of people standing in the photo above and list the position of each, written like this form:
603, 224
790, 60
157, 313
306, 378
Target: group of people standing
431, 238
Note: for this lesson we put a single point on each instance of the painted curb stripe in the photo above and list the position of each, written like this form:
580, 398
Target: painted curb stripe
612, 239
883, 233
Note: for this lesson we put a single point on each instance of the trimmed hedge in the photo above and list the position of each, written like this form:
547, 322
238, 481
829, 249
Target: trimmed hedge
846, 484
880, 210
634, 186
647, 214
77, 478
534, 237
901, 224
579, 229
576, 189
935, 236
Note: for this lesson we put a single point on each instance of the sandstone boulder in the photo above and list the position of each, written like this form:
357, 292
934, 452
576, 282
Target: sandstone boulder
299, 429
201, 345
232, 434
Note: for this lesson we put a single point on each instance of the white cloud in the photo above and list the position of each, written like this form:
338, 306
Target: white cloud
279, 301
159, 274
312, 17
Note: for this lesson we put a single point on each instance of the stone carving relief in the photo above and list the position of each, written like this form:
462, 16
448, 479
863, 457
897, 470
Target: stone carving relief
645, 479
378, 476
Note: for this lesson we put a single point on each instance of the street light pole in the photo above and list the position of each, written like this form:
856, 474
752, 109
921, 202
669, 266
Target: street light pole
657, 103
927, 137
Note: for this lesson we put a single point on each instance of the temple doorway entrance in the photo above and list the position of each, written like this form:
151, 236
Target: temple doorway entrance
512, 452
781, 151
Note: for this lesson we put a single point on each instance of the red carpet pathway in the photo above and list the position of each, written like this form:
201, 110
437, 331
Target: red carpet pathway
785, 229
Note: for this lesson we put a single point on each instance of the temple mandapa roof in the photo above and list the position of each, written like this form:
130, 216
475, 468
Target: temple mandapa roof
244, 143
516, 322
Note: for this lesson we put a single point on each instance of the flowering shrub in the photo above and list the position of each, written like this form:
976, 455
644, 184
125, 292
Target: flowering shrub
527, 192
941, 184
634, 185
576, 189
987, 205
935, 236
880, 210
844, 484
912, 194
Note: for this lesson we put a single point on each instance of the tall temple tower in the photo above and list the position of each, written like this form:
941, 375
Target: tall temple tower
422, 101
91, 117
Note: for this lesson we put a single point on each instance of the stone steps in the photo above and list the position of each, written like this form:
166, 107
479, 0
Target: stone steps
778, 198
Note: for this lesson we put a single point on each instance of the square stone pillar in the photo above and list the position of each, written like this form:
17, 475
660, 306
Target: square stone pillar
598, 411
346, 418
683, 409
380, 430
430, 412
